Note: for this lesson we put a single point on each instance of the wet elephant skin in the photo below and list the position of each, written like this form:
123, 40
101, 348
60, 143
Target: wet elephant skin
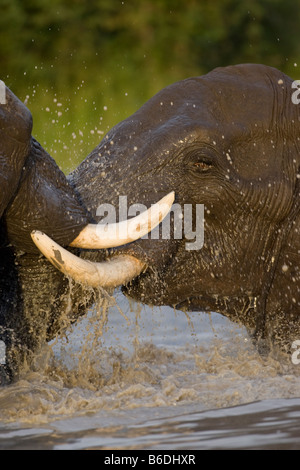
228, 140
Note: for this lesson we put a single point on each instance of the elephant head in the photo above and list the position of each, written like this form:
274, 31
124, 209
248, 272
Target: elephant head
35, 195
227, 141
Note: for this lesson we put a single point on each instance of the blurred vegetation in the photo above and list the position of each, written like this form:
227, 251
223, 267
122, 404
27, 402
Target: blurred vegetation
82, 66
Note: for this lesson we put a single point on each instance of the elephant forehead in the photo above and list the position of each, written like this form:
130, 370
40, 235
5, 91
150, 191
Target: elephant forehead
233, 102
244, 95
245, 109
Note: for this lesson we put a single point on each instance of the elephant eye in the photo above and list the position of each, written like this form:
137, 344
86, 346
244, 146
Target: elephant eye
200, 160
202, 165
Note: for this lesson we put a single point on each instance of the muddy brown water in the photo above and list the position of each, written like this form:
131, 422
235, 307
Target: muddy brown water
134, 377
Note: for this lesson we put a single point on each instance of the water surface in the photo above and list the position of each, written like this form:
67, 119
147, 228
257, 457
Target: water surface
136, 377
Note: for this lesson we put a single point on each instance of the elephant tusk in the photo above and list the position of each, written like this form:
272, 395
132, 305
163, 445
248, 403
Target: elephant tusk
97, 236
114, 272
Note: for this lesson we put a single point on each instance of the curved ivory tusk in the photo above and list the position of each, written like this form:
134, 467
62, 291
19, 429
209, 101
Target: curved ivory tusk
96, 236
114, 272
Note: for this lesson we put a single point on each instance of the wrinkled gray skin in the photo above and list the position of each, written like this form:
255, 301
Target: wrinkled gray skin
228, 140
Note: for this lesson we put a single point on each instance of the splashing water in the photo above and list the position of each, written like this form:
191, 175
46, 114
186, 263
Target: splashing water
125, 365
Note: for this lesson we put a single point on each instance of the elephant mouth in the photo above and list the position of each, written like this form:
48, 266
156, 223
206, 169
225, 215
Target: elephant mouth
117, 270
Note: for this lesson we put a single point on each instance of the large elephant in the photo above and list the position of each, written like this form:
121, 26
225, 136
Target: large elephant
228, 141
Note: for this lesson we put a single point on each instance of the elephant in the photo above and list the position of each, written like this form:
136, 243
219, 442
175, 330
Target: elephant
35, 194
226, 142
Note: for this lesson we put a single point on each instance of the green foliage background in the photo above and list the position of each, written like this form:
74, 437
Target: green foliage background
82, 66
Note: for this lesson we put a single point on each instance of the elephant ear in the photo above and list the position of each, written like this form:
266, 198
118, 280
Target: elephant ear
15, 136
